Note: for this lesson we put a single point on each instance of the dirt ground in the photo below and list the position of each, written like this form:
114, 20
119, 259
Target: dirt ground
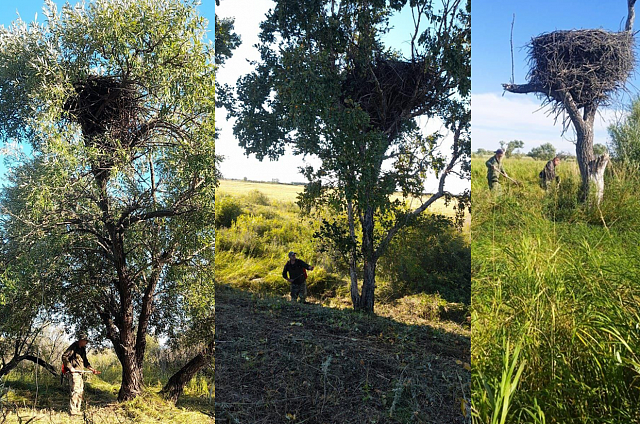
278, 362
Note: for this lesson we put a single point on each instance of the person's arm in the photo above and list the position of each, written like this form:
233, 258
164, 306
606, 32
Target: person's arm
306, 266
65, 359
85, 361
284, 272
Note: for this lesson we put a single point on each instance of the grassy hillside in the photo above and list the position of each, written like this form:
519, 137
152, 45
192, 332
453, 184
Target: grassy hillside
282, 362
555, 296
256, 229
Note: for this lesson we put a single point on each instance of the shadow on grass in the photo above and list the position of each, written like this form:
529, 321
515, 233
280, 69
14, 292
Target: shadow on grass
277, 361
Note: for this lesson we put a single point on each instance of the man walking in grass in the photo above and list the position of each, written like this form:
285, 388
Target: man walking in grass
494, 170
73, 360
297, 276
548, 174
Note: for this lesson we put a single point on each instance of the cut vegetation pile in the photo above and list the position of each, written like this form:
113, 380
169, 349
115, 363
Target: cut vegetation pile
283, 362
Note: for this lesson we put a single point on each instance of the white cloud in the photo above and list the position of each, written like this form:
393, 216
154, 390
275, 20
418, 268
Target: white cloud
518, 117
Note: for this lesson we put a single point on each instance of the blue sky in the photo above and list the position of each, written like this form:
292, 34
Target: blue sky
515, 116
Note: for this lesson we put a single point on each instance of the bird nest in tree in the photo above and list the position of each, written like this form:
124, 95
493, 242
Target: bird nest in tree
589, 64
389, 89
107, 108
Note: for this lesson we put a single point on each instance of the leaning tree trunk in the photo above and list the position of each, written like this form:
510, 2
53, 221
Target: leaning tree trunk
13, 363
174, 387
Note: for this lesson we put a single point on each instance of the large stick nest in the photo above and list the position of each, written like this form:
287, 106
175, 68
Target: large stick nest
107, 108
589, 64
390, 89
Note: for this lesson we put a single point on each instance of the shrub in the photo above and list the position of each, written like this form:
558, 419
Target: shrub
227, 211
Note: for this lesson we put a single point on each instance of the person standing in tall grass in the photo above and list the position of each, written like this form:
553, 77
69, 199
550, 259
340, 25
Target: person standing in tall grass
295, 272
548, 174
494, 170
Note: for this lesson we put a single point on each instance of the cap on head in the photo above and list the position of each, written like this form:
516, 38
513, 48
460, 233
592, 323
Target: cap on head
83, 336
291, 254
499, 152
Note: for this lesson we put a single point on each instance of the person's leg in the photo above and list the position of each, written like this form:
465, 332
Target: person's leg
303, 292
77, 387
295, 289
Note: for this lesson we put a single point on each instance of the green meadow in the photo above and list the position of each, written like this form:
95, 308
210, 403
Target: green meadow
555, 295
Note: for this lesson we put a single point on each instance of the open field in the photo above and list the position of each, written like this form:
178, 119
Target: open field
289, 193
555, 297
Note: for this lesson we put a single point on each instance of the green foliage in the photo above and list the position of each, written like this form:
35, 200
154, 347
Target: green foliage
510, 147
545, 151
559, 277
326, 85
227, 211
599, 149
625, 136
119, 186
431, 256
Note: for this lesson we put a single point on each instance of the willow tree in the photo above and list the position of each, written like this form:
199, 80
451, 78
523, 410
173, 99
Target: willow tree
116, 101
326, 85
575, 72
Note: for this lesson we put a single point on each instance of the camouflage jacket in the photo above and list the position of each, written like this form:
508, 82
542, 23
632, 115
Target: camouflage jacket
494, 168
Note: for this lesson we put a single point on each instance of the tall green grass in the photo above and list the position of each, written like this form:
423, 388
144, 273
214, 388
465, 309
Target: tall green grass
560, 279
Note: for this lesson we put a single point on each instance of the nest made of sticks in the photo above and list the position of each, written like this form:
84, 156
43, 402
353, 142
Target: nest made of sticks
389, 88
107, 108
589, 64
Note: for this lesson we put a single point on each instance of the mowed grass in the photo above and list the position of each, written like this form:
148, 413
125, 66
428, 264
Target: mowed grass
289, 193
555, 299
48, 402
28, 393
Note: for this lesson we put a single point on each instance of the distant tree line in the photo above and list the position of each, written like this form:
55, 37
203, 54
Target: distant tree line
545, 151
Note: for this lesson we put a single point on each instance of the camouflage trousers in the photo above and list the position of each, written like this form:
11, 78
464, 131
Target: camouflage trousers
494, 186
298, 290
76, 388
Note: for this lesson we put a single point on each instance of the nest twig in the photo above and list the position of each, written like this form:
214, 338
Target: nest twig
107, 108
390, 89
588, 64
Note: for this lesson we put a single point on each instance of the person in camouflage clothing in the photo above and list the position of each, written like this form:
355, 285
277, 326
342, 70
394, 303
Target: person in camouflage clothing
548, 174
294, 272
495, 169
73, 360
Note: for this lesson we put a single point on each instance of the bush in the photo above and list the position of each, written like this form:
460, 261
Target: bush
227, 211
431, 256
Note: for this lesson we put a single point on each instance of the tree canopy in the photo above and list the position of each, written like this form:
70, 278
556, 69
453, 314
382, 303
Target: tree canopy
326, 85
116, 101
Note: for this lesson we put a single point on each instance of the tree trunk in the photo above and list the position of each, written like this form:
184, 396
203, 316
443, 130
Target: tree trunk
131, 377
591, 168
174, 387
366, 300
